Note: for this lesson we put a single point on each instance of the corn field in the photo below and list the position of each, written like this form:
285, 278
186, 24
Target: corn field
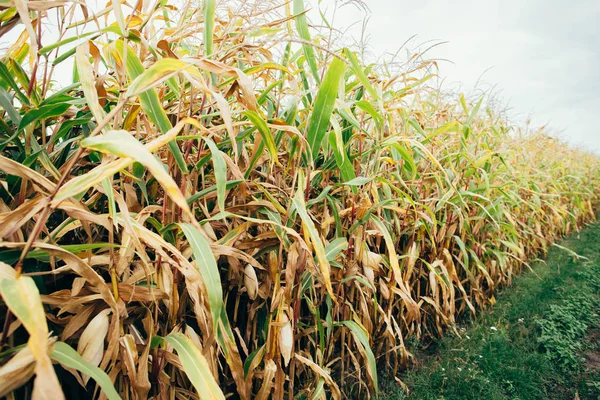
223, 204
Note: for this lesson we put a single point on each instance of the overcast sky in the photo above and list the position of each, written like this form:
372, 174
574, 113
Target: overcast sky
542, 56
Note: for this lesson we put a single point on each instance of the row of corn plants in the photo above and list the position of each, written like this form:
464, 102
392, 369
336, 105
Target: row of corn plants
222, 203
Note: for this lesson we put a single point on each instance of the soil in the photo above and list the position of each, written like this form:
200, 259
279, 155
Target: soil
592, 356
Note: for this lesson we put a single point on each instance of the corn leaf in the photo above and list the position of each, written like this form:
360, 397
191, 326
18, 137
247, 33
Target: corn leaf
265, 132
220, 168
363, 338
122, 144
323, 107
207, 266
315, 239
209, 7
360, 73
149, 99
22, 297
84, 68
304, 32
6, 77
196, 367
68, 357
158, 73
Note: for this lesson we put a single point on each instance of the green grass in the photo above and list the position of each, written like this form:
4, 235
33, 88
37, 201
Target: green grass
530, 345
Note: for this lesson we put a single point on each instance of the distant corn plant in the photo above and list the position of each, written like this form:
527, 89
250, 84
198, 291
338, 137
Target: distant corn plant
223, 204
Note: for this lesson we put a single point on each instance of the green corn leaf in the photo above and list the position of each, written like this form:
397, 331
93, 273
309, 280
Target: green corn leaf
363, 338
475, 111
253, 358
415, 124
6, 102
64, 56
12, 256
196, 367
333, 249
209, 25
304, 32
359, 181
323, 107
207, 266
220, 168
369, 109
336, 143
360, 74
162, 70
6, 77
47, 49
68, 357
401, 152
49, 111
149, 99
108, 189
228, 185
210, 7
22, 77
265, 132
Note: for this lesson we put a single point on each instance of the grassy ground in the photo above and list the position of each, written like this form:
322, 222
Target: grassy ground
540, 341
